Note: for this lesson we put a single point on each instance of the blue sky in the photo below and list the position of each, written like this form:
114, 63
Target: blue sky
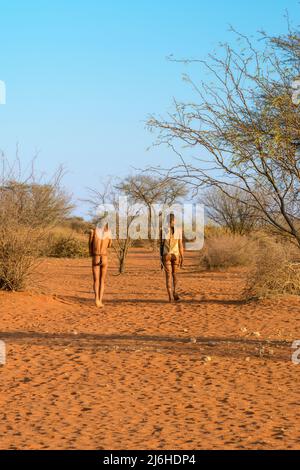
82, 76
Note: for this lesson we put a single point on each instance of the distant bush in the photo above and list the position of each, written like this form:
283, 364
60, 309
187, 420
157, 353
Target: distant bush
224, 251
276, 271
77, 224
66, 246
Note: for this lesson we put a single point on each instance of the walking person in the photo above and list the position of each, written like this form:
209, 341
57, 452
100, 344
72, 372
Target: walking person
171, 252
99, 241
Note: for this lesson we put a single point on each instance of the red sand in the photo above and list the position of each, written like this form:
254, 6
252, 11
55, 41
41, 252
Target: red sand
210, 372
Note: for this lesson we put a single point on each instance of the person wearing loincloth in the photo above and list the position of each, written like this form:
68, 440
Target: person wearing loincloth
171, 252
99, 241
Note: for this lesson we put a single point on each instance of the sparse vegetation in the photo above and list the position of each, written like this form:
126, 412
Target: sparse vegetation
248, 178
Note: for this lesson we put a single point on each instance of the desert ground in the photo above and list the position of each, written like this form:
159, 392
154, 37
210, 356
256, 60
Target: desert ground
210, 372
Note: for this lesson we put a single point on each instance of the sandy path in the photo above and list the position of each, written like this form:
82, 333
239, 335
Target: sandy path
138, 374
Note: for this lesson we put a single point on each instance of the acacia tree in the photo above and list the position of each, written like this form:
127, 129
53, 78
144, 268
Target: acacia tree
244, 130
150, 189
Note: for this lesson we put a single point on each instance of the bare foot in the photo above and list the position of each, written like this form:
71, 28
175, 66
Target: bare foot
99, 304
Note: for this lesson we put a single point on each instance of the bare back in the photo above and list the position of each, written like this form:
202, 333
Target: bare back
99, 242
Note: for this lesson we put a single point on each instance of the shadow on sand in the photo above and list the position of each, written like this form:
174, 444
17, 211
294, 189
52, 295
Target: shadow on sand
90, 301
215, 346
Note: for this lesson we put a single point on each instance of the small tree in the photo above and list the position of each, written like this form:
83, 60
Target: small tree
122, 246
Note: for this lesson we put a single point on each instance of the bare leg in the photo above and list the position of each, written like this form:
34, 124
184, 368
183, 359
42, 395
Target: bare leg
103, 271
96, 277
168, 272
174, 275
